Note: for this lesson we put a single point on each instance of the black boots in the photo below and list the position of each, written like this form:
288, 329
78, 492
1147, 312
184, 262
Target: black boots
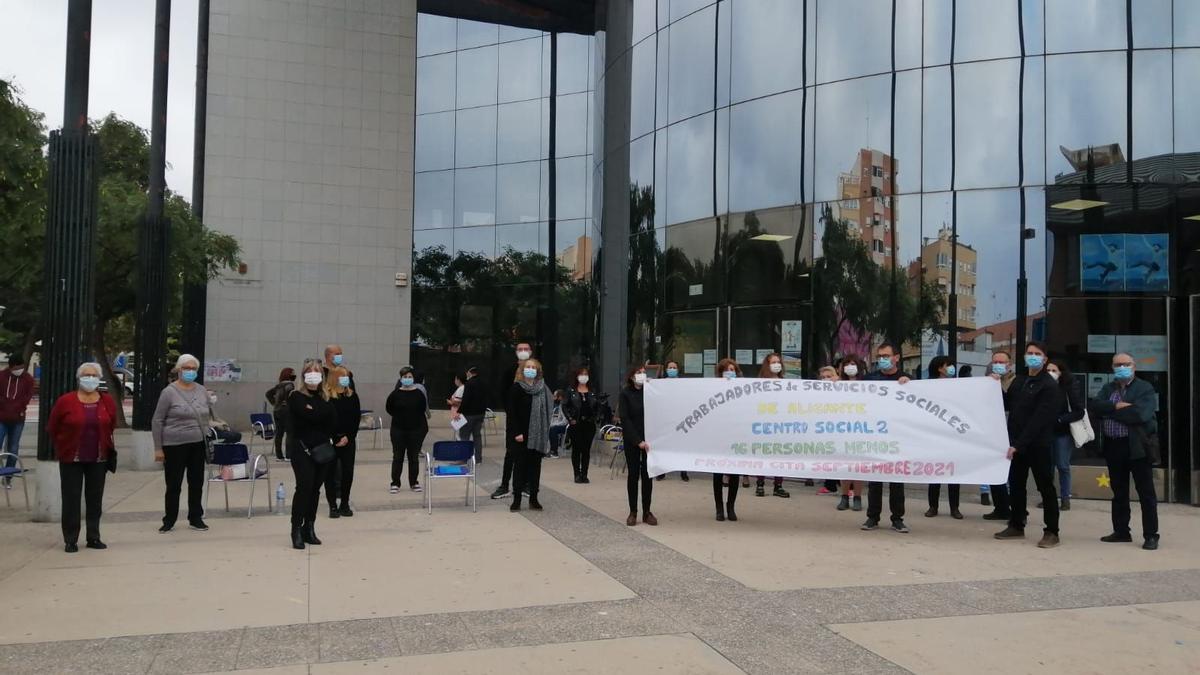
297, 538
309, 534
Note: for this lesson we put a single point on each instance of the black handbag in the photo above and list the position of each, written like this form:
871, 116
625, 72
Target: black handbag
321, 454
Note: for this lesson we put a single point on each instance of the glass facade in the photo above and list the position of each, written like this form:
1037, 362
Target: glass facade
503, 241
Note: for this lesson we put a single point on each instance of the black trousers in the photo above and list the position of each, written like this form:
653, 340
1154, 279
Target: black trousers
1120, 468
718, 493
309, 478
1001, 500
512, 451
895, 500
582, 434
473, 431
81, 479
281, 427
179, 460
527, 474
1040, 461
635, 461
407, 444
935, 493
339, 477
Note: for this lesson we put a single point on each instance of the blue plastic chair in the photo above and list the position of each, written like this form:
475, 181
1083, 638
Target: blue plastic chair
15, 471
235, 454
451, 459
262, 425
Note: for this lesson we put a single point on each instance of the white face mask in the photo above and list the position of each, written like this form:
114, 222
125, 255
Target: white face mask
583, 379
89, 383
212, 399
639, 378
776, 367
524, 355
312, 379
850, 369
17, 372
1055, 374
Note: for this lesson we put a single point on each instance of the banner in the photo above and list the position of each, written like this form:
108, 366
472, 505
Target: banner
926, 431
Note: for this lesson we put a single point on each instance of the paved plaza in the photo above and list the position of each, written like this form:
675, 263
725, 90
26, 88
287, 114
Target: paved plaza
794, 587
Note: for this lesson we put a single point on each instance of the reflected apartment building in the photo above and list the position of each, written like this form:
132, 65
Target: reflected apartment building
642, 180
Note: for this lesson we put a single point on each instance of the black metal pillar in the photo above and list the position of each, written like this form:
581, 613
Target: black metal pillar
1022, 279
195, 296
549, 331
69, 270
151, 315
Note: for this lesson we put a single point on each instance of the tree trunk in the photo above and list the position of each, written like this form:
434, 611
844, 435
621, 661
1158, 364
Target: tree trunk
116, 387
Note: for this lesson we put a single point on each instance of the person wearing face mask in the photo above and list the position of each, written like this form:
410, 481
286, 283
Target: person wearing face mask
473, 407
407, 406
16, 390
1073, 410
632, 409
851, 367
527, 431
335, 357
887, 368
224, 432
771, 368
81, 431
728, 369
339, 475
580, 409
671, 371
1000, 370
314, 423
940, 368
1125, 409
277, 396
178, 427
1033, 402
524, 352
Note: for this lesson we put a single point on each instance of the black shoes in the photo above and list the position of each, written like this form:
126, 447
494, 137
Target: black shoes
334, 512
309, 534
997, 515
1065, 504
165, 529
535, 504
931, 512
869, 524
780, 492
297, 538
1010, 532
899, 526
759, 491
955, 513
198, 526
1151, 543
501, 492
71, 548
1115, 538
844, 503
96, 544
857, 504
985, 499
516, 506
683, 476
579, 479
345, 511
584, 479
720, 514
730, 515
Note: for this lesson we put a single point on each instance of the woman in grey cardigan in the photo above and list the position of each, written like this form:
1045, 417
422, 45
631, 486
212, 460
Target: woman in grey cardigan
179, 426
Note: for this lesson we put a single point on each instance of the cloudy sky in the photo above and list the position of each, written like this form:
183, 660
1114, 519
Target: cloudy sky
33, 54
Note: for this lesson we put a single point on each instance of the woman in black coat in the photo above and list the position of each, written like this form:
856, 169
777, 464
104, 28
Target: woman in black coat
1073, 409
314, 422
941, 367
579, 407
633, 428
407, 406
348, 408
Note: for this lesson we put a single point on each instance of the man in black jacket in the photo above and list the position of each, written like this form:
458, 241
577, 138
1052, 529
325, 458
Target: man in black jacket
1125, 409
887, 364
473, 407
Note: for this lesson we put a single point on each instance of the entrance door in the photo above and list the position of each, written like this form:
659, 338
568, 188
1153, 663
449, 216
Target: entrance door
698, 339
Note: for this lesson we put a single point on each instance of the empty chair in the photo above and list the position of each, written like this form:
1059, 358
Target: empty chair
14, 471
451, 459
262, 425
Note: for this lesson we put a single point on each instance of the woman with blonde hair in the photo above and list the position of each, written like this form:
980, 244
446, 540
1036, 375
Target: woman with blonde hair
179, 427
339, 478
527, 431
314, 424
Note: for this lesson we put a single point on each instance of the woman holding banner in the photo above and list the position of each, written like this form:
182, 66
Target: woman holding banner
772, 368
942, 367
851, 367
728, 369
632, 409
671, 371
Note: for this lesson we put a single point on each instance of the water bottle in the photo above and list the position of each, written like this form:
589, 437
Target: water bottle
280, 496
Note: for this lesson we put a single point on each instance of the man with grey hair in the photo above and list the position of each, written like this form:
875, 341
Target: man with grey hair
1125, 409
335, 358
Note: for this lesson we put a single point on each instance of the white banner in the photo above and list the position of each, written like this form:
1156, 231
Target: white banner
926, 431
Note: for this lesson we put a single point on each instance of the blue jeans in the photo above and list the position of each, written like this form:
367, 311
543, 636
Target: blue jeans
10, 440
1063, 447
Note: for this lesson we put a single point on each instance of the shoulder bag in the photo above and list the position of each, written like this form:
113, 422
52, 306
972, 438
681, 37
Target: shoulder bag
1081, 429
208, 440
323, 453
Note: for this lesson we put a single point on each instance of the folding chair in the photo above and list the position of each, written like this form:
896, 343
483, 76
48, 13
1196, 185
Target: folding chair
489, 417
451, 459
10, 472
262, 425
233, 455
369, 421
614, 434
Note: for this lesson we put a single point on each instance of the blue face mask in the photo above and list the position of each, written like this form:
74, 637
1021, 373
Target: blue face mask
344, 381
1123, 372
530, 373
407, 381
951, 371
1034, 361
884, 363
672, 372
729, 374
187, 375
337, 359
1000, 369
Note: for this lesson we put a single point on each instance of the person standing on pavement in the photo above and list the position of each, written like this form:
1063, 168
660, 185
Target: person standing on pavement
179, 427
16, 390
1126, 410
579, 407
671, 371
771, 368
339, 476
940, 368
314, 423
632, 410
473, 407
524, 353
81, 431
1001, 371
887, 368
851, 367
277, 396
1073, 410
334, 356
406, 406
527, 431
1034, 402
728, 369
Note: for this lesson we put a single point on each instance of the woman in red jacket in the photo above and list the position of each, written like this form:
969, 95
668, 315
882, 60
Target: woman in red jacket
81, 428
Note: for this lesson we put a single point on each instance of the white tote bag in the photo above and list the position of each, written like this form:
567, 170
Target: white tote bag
1081, 429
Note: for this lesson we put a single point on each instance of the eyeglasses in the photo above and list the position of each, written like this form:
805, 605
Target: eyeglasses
1125, 364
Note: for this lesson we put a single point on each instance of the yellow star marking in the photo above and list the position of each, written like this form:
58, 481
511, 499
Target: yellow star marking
1103, 480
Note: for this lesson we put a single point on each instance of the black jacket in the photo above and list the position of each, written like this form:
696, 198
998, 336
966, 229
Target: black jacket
474, 399
580, 407
348, 410
1033, 405
407, 409
518, 409
1139, 416
632, 409
877, 376
313, 419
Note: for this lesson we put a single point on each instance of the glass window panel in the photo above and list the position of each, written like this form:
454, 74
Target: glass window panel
1035, 121
908, 131
571, 121
722, 162
475, 137
571, 176
1151, 23
1033, 12
476, 34
1084, 25
523, 237
475, 196
935, 141
986, 30
660, 178
1035, 251
644, 19
435, 141
1085, 108
518, 196
724, 25
764, 269
435, 34
477, 77
681, 8
989, 227
519, 131
475, 241
852, 116
433, 200
855, 39
938, 21
575, 248
641, 89
433, 239
664, 13
1152, 118
511, 33
663, 79
986, 116
574, 52
545, 67
520, 70
908, 34
764, 148
1187, 23
690, 169
693, 276
1187, 100
641, 162
692, 64
764, 32
435, 83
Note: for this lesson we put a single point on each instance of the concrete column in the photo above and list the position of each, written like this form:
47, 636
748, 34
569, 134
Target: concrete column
47, 505
141, 452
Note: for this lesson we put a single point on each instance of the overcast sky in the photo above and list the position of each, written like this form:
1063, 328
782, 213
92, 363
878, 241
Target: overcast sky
33, 53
